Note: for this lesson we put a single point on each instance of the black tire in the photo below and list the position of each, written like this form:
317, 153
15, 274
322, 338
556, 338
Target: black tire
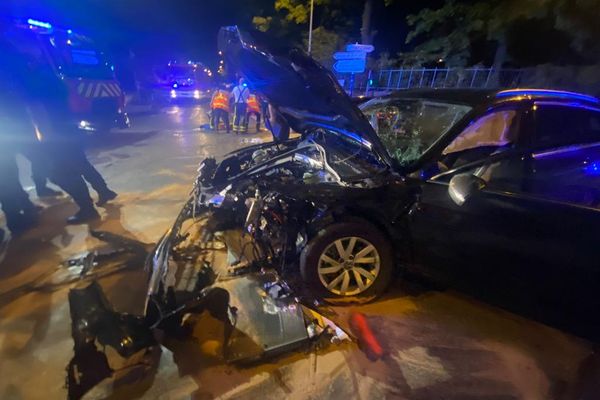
309, 260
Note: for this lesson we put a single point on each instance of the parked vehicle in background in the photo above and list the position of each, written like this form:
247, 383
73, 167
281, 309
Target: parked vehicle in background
178, 83
95, 99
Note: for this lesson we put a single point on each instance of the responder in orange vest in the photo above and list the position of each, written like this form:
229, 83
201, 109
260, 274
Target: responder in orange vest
219, 106
253, 109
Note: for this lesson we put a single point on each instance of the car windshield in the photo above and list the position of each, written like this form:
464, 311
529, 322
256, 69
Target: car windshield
409, 127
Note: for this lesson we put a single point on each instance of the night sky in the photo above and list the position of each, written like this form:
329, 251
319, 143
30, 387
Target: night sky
179, 29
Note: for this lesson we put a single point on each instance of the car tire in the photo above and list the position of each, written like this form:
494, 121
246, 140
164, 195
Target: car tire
317, 267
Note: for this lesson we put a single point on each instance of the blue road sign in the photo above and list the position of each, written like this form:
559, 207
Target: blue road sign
367, 48
352, 66
349, 55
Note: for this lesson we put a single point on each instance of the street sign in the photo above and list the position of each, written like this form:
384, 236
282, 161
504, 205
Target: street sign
349, 55
352, 66
367, 48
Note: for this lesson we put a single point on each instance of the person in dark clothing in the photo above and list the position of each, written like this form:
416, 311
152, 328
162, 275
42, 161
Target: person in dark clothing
40, 167
69, 164
19, 211
47, 101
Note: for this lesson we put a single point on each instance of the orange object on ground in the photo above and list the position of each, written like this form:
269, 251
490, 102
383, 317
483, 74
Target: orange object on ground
366, 338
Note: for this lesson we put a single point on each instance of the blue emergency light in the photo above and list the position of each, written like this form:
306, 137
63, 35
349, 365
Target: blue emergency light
547, 93
40, 24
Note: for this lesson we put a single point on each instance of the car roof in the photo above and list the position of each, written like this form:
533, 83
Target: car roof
471, 97
477, 97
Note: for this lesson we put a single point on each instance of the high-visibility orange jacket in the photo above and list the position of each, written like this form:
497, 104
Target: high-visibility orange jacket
253, 105
220, 100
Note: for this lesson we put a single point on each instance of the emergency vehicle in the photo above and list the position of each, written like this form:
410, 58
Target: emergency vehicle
95, 99
180, 82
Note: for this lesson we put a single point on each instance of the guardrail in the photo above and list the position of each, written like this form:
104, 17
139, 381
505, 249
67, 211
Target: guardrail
412, 78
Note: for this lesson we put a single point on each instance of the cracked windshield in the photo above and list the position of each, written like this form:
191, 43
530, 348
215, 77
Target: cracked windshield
299, 199
408, 128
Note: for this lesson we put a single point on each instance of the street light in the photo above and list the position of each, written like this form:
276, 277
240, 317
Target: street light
310, 25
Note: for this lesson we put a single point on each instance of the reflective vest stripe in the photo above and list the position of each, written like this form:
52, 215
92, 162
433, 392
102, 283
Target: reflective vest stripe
221, 101
253, 104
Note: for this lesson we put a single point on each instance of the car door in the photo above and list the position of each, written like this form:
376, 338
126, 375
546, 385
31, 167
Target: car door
565, 179
528, 239
473, 245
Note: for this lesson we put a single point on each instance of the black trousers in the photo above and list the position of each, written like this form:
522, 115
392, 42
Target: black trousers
40, 165
217, 116
239, 117
70, 166
15, 202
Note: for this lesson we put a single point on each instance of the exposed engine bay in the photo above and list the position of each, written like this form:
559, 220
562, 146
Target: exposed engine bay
237, 237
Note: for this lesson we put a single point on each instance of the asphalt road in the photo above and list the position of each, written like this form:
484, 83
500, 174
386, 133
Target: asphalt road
437, 344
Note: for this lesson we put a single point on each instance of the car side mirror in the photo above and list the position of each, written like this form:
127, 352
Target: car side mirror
463, 186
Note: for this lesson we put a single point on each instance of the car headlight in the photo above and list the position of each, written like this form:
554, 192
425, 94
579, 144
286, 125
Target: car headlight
85, 125
173, 94
196, 94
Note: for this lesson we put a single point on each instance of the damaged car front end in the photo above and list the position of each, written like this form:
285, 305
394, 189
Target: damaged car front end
267, 232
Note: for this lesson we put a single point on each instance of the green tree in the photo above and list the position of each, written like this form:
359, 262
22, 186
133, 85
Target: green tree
449, 32
580, 18
333, 15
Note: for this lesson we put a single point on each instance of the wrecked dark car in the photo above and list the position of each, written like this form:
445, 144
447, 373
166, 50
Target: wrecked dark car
422, 179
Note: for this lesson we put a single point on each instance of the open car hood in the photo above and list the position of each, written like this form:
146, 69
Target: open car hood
305, 93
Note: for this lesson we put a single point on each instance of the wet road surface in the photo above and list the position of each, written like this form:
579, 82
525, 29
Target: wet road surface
437, 344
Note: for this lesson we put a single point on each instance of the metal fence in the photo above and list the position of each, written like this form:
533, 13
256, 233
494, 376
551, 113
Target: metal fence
411, 78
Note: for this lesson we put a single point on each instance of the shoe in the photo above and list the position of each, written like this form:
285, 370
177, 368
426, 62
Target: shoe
83, 216
47, 192
105, 197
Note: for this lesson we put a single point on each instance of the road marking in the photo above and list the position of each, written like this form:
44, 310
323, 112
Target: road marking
419, 368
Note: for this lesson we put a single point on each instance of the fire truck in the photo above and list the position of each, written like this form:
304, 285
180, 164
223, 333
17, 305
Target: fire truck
95, 100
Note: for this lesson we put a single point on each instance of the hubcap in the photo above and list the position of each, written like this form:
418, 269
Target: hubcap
349, 266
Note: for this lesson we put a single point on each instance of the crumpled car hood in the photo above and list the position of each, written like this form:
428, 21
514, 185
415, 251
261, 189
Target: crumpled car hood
304, 92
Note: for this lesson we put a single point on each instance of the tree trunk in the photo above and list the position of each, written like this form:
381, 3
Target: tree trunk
501, 53
499, 60
365, 31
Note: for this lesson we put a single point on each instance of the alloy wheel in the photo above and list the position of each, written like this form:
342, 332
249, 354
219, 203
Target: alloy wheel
349, 266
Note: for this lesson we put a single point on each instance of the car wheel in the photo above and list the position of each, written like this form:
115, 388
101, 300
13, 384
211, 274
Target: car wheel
348, 262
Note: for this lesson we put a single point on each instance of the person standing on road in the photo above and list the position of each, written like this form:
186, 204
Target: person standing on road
63, 143
40, 166
19, 211
219, 108
253, 109
240, 95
